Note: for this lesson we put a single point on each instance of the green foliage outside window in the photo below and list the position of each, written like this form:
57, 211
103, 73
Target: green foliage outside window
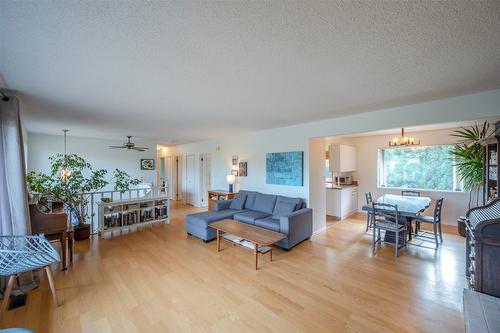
419, 168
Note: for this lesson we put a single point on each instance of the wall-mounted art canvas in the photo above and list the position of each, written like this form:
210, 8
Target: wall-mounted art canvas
285, 168
147, 164
243, 171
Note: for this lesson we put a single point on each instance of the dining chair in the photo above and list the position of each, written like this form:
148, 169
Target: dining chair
369, 217
410, 193
386, 217
19, 254
435, 221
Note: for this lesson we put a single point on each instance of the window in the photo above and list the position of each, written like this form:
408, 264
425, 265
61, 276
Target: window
426, 168
328, 173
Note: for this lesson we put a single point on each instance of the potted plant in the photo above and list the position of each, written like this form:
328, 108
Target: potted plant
469, 157
72, 180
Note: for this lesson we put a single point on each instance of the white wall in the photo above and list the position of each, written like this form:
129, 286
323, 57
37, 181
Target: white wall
317, 199
455, 203
95, 151
252, 147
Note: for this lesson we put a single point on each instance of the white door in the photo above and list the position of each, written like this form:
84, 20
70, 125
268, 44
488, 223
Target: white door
190, 186
169, 178
205, 181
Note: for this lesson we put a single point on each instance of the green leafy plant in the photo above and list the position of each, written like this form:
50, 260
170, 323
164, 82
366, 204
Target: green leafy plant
74, 190
469, 157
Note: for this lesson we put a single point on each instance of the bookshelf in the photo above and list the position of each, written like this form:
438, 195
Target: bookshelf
131, 214
491, 165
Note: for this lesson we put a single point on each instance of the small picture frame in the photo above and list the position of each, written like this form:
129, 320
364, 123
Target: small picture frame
234, 173
243, 169
147, 164
234, 160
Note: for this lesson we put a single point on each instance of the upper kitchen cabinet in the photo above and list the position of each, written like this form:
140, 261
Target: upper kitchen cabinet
343, 158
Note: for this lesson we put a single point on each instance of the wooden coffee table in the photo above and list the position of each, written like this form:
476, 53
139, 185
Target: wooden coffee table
239, 232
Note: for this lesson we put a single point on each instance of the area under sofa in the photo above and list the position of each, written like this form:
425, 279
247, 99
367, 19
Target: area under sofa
287, 215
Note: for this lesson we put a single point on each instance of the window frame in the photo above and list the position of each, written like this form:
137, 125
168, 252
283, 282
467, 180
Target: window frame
382, 176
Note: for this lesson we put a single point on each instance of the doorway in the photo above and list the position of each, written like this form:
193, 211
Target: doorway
205, 178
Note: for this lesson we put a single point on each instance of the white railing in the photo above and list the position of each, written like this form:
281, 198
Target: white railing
91, 216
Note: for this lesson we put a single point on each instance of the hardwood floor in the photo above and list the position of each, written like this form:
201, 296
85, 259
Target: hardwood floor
161, 280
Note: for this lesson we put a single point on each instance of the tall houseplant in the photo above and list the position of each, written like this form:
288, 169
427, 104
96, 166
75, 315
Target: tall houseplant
469, 157
71, 180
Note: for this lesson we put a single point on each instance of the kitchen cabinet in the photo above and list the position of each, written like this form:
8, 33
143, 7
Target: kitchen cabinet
341, 202
343, 158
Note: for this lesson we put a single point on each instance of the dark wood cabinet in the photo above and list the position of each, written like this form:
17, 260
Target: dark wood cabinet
483, 248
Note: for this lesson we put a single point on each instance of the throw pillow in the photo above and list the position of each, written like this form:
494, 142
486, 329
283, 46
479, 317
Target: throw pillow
238, 201
283, 209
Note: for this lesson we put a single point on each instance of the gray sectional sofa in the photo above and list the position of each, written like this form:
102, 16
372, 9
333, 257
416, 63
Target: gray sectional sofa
274, 212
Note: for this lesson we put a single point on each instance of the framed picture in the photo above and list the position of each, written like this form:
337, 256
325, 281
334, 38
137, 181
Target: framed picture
285, 168
234, 173
243, 171
234, 160
147, 164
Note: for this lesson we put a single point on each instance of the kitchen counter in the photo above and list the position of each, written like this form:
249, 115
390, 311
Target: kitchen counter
343, 202
342, 186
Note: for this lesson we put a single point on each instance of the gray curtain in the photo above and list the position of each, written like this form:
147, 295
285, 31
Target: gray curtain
14, 216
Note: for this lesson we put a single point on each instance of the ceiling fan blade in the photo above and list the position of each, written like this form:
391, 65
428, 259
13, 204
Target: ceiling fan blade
117, 147
143, 148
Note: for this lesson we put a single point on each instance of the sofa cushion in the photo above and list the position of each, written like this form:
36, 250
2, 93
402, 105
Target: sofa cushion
239, 201
205, 218
283, 208
249, 216
264, 203
295, 201
268, 223
250, 199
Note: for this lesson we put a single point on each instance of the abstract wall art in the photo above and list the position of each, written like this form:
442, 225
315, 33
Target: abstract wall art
285, 168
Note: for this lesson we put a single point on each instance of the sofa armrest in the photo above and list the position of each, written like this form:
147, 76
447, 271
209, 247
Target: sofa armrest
222, 204
297, 225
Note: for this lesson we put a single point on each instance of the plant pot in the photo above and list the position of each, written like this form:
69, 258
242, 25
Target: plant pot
82, 232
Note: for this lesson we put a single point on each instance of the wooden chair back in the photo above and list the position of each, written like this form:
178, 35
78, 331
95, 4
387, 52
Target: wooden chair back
410, 193
47, 223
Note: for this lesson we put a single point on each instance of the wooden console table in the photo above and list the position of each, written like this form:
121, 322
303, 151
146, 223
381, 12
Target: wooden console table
216, 195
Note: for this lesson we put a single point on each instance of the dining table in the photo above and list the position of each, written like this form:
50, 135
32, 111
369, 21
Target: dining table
408, 208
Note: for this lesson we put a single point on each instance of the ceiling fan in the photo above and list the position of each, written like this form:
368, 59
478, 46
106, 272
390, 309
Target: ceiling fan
129, 145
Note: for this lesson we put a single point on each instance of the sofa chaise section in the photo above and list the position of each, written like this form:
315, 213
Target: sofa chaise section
198, 224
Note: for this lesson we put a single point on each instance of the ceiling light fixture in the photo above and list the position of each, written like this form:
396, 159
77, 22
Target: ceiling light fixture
403, 141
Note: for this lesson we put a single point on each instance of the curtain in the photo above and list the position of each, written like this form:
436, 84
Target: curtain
14, 215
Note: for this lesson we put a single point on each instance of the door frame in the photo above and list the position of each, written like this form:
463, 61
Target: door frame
203, 192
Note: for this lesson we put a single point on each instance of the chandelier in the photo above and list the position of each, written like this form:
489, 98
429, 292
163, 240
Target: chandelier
403, 140
65, 172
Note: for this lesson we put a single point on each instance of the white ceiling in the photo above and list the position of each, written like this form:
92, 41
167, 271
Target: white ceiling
185, 71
